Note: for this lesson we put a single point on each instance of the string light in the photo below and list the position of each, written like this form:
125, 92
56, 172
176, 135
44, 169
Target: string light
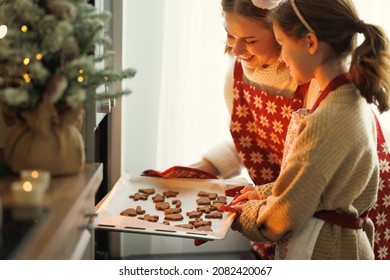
3, 31
80, 78
26, 61
24, 28
27, 186
27, 78
34, 174
38, 56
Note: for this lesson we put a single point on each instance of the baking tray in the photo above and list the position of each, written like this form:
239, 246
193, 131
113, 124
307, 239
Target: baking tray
117, 200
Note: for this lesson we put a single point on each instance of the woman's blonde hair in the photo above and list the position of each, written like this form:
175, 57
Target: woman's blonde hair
337, 23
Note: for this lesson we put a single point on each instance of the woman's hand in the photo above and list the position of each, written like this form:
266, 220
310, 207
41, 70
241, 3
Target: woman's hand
207, 166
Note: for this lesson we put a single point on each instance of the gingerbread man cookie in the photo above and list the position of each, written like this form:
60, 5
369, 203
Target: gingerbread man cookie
139, 196
170, 194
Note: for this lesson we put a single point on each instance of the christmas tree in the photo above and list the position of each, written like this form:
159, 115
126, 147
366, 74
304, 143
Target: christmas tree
47, 50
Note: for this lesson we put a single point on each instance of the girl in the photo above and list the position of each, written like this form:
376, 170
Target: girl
331, 171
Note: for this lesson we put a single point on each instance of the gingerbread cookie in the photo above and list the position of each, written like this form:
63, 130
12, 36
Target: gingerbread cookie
147, 191
196, 220
172, 211
198, 224
187, 226
174, 217
211, 196
139, 210
149, 218
158, 198
221, 199
170, 194
205, 228
217, 206
162, 205
203, 193
214, 215
204, 209
129, 212
194, 214
203, 201
177, 203
139, 196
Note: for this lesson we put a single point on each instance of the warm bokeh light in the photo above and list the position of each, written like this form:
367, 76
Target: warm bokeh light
27, 78
34, 174
26, 61
27, 186
3, 31
24, 28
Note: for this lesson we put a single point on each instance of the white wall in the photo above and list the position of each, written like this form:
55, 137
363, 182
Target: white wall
142, 35
142, 40
142, 49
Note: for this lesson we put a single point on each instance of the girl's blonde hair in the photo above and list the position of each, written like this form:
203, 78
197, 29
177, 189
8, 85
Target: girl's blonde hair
337, 23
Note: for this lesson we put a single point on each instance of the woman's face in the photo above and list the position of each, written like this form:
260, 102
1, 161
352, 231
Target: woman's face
296, 56
250, 40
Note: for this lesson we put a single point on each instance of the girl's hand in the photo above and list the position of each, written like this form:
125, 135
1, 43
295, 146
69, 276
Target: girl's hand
247, 193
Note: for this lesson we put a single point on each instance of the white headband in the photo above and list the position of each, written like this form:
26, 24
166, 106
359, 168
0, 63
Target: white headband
266, 4
271, 4
301, 18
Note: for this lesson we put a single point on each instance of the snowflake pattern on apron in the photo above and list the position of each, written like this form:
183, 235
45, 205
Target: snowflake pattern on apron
259, 125
380, 213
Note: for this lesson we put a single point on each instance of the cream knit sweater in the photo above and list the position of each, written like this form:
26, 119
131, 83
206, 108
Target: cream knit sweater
334, 166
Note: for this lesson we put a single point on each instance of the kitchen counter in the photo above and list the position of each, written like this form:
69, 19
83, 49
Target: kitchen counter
65, 229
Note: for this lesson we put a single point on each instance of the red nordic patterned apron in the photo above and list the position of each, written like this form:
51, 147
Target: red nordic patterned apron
258, 127
380, 213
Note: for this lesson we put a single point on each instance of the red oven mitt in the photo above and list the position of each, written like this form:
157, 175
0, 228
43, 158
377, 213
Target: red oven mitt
180, 172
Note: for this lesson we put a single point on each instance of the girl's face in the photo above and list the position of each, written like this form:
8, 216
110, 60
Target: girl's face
295, 54
250, 41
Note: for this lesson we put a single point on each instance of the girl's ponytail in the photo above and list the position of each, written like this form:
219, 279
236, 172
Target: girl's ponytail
370, 66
